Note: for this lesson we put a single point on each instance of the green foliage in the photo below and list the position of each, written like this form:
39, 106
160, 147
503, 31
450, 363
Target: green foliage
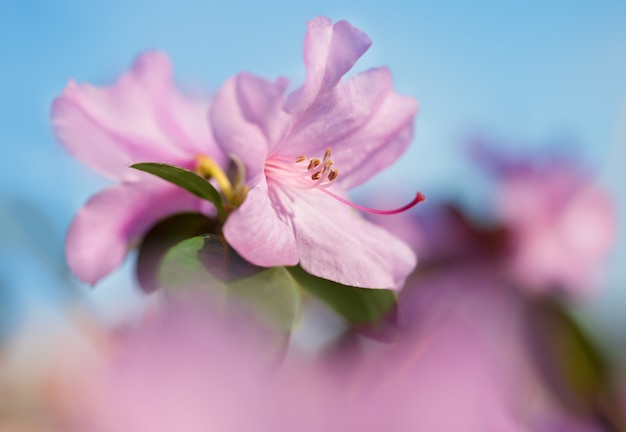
164, 236
570, 363
186, 179
357, 305
209, 264
181, 254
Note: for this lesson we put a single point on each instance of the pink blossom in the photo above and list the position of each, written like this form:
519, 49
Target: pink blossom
302, 152
562, 225
464, 285
140, 118
195, 372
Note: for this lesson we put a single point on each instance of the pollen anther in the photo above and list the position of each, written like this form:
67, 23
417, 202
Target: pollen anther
327, 154
316, 176
333, 174
300, 158
314, 163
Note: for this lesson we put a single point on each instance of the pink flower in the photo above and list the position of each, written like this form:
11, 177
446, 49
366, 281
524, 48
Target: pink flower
301, 153
142, 117
195, 371
492, 322
562, 224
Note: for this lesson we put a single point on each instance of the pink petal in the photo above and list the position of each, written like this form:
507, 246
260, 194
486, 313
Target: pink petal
330, 51
100, 234
242, 115
336, 243
141, 118
261, 231
261, 103
365, 123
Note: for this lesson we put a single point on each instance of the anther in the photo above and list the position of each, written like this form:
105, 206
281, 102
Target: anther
327, 154
300, 158
314, 163
333, 174
326, 167
316, 176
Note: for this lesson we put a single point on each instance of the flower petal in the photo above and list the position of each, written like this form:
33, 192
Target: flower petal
246, 119
336, 243
329, 52
140, 118
261, 231
100, 234
365, 123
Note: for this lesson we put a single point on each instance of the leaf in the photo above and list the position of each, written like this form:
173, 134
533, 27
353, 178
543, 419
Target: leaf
181, 268
161, 238
186, 179
360, 306
566, 357
209, 264
273, 292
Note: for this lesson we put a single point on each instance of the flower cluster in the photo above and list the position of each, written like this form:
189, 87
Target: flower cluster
239, 206
297, 156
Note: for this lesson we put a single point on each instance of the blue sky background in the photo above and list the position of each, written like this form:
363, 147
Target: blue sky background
526, 75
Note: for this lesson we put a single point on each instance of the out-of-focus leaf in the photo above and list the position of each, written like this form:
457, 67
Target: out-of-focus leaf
209, 264
569, 361
187, 180
359, 306
162, 237
274, 292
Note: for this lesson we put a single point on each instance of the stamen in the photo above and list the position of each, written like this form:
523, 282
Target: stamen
419, 197
314, 163
327, 154
319, 174
333, 174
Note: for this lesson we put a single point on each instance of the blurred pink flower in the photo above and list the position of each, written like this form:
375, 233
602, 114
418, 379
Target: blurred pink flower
192, 372
141, 118
464, 281
475, 301
302, 152
562, 225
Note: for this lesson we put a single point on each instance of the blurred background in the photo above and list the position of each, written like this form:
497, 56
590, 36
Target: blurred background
527, 77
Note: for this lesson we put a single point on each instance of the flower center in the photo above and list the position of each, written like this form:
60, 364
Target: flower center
314, 173
302, 173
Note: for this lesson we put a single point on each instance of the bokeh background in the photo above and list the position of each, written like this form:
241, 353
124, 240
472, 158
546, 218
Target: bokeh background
528, 77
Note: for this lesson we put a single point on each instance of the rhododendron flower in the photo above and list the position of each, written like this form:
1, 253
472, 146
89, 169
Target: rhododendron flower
562, 223
142, 117
301, 153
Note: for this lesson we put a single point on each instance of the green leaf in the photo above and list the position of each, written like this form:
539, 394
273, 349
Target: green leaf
567, 358
186, 179
161, 238
273, 293
209, 264
358, 306
182, 269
